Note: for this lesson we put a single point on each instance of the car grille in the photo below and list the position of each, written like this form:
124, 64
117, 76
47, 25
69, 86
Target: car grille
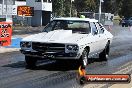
48, 47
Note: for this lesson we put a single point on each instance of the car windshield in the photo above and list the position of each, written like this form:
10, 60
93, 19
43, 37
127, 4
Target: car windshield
76, 26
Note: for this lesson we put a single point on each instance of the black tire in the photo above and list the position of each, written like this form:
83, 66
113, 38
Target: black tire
30, 62
82, 80
103, 56
84, 58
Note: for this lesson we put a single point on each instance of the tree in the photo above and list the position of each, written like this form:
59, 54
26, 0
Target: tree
126, 10
109, 6
57, 7
121, 7
67, 6
61, 7
85, 5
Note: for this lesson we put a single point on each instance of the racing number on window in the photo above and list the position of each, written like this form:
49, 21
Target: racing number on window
94, 29
100, 28
4, 33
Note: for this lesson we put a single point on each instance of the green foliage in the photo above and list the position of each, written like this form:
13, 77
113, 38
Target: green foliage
127, 8
112, 6
121, 7
57, 7
85, 5
62, 7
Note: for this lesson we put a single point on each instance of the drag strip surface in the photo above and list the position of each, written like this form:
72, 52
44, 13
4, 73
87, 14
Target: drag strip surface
51, 74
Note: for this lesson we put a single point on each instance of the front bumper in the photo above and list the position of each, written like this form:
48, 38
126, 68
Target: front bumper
51, 55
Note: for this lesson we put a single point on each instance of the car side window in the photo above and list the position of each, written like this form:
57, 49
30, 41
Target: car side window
100, 28
94, 29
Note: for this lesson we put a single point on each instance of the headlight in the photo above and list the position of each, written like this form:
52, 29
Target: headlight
25, 44
72, 48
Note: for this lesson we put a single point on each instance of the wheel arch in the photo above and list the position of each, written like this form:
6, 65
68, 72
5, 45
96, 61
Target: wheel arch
108, 47
81, 60
108, 41
88, 48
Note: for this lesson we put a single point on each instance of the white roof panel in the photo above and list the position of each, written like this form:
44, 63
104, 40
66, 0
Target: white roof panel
77, 19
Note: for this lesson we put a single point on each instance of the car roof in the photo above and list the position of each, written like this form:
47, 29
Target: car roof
76, 19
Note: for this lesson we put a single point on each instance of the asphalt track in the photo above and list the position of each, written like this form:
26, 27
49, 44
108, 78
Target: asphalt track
51, 74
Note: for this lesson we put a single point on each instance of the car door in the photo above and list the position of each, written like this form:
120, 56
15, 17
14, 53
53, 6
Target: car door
94, 48
102, 39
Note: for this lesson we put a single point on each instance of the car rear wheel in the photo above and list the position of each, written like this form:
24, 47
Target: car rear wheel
103, 56
84, 58
30, 62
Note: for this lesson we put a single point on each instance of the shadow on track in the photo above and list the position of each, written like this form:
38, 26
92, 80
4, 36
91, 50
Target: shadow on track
51, 65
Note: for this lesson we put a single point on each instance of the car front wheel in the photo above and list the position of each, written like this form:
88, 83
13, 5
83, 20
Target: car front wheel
30, 62
105, 54
84, 58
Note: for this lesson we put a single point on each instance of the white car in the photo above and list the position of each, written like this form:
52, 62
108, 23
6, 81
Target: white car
68, 39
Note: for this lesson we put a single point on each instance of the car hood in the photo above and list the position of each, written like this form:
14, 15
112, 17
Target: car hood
57, 36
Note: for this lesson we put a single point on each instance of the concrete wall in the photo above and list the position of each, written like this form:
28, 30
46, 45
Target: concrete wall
45, 6
36, 5
40, 18
9, 2
20, 3
36, 20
